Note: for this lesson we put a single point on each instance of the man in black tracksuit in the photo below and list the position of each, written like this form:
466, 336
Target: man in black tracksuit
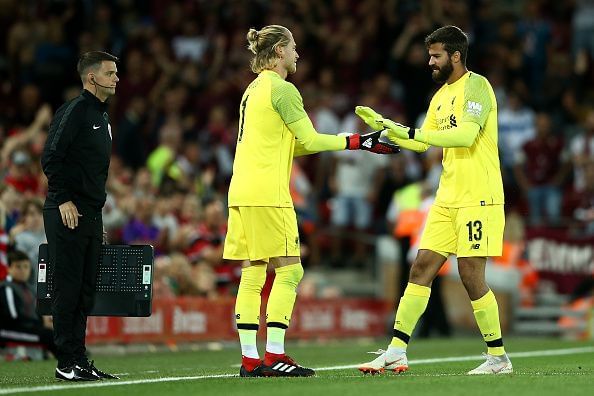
76, 160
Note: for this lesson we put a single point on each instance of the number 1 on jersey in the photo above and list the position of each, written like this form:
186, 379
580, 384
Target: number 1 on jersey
242, 117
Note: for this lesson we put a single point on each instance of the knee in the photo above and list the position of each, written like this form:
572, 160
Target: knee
471, 279
290, 274
419, 274
466, 279
466, 276
425, 267
253, 277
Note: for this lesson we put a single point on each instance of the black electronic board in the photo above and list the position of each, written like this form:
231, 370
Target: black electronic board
124, 281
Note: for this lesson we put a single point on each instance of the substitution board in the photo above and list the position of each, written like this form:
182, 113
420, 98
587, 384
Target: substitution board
124, 281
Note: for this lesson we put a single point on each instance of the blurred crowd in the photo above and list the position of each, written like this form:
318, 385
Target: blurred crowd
184, 65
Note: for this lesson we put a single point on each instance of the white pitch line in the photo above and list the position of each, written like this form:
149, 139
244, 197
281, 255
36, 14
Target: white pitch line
553, 352
45, 388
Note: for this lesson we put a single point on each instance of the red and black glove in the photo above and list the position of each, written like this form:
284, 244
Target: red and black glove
371, 142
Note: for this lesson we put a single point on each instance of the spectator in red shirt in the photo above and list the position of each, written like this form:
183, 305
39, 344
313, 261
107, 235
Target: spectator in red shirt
202, 243
206, 244
541, 168
20, 174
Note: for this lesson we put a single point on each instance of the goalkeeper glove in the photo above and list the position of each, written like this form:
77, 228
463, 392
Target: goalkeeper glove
370, 117
396, 130
371, 142
377, 122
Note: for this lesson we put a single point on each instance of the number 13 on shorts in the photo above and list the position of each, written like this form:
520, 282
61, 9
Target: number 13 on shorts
475, 231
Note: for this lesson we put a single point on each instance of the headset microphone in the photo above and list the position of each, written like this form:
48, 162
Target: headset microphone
96, 83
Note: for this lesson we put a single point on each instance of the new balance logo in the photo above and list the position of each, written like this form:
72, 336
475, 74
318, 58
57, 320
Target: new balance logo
475, 246
286, 368
367, 143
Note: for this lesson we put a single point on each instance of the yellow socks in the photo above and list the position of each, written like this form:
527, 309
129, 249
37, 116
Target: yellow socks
486, 313
412, 305
278, 312
247, 307
280, 305
283, 294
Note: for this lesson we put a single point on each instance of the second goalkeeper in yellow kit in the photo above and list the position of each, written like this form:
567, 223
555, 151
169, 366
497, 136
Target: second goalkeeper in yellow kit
262, 228
467, 217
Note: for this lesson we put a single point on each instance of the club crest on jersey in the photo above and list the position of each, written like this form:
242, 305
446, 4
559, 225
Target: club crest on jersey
453, 122
474, 108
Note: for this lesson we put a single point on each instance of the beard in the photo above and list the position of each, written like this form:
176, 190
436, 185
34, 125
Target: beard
441, 75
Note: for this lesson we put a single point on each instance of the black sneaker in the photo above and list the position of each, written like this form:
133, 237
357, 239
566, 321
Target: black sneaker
285, 367
90, 365
256, 372
75, 373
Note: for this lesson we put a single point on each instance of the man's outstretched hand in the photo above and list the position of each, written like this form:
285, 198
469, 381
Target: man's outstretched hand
396, 130
372, 142
370, 117
376, 121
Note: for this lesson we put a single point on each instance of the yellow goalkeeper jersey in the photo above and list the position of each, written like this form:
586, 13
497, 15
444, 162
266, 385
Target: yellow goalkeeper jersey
471, 176
266, 145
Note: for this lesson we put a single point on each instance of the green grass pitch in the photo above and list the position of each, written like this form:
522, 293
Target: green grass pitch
537, 372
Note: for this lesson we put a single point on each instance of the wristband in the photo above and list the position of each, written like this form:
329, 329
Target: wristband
353, 142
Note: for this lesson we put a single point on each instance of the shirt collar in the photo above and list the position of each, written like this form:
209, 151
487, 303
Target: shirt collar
89, 96
462, 78
270, 73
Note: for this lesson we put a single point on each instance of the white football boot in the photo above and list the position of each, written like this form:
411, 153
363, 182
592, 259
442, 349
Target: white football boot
382, 363
494, 365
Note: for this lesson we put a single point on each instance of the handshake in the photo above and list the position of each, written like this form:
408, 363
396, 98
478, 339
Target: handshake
376, 142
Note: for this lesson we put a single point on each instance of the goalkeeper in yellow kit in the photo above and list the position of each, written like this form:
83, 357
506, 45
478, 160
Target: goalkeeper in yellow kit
262, 229
467, 217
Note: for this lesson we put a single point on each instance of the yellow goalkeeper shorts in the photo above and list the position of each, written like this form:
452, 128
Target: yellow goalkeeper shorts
259, 233
475, 231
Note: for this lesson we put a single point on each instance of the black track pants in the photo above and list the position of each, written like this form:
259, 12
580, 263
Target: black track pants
75, 255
